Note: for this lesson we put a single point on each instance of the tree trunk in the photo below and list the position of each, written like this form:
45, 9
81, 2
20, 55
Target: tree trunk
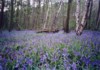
98, 17
28, 14
17, 15
77, 14
11, 16
55, 18
84, 18
2, 14
32, 16
89, 14
66, 24
47, 13
38, 13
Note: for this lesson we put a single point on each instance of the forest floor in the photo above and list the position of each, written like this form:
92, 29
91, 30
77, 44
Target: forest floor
27, 38
31, 38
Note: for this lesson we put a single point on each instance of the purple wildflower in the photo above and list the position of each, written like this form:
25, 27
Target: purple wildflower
1, 68
43, 58
74, 66
86, 60
65, 53
29, 61
96, 62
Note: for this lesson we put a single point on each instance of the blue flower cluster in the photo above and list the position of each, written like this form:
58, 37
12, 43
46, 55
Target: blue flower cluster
30, 51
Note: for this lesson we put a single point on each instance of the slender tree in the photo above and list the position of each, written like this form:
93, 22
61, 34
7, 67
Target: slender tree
17, 13
77, 14
47, 13
56, 15
66, 24
84, 18
11, 15
28, 14
38, 12
89, 13
98, 17
2, 13
32, 20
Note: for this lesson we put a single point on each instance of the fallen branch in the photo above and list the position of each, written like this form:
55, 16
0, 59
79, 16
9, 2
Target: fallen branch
48, 31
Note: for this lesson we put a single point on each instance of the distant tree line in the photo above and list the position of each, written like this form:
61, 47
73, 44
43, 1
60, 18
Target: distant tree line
45, 14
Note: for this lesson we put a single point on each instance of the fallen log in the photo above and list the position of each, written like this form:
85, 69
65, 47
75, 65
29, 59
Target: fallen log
48, 31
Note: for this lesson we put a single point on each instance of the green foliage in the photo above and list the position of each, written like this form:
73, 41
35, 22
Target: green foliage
17, 48
10, 65
72, 24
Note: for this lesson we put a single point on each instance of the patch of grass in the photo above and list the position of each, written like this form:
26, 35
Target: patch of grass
72, 24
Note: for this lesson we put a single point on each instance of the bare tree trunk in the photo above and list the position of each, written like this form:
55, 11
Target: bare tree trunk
66, 24
38, 13
28, 14
77, 14
11, 17
55, 18
47, 13
32, 20
84, 19
43, 11
98, 17
17, 15
2, 14
89, 14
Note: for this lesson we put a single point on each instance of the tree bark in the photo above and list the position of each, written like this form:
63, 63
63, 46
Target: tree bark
89, 13
77, 14
98, 17
47, 13
84, 18
38, 13
2, 14
56, 15
11, 16
28, 14
66, 24
17, 15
